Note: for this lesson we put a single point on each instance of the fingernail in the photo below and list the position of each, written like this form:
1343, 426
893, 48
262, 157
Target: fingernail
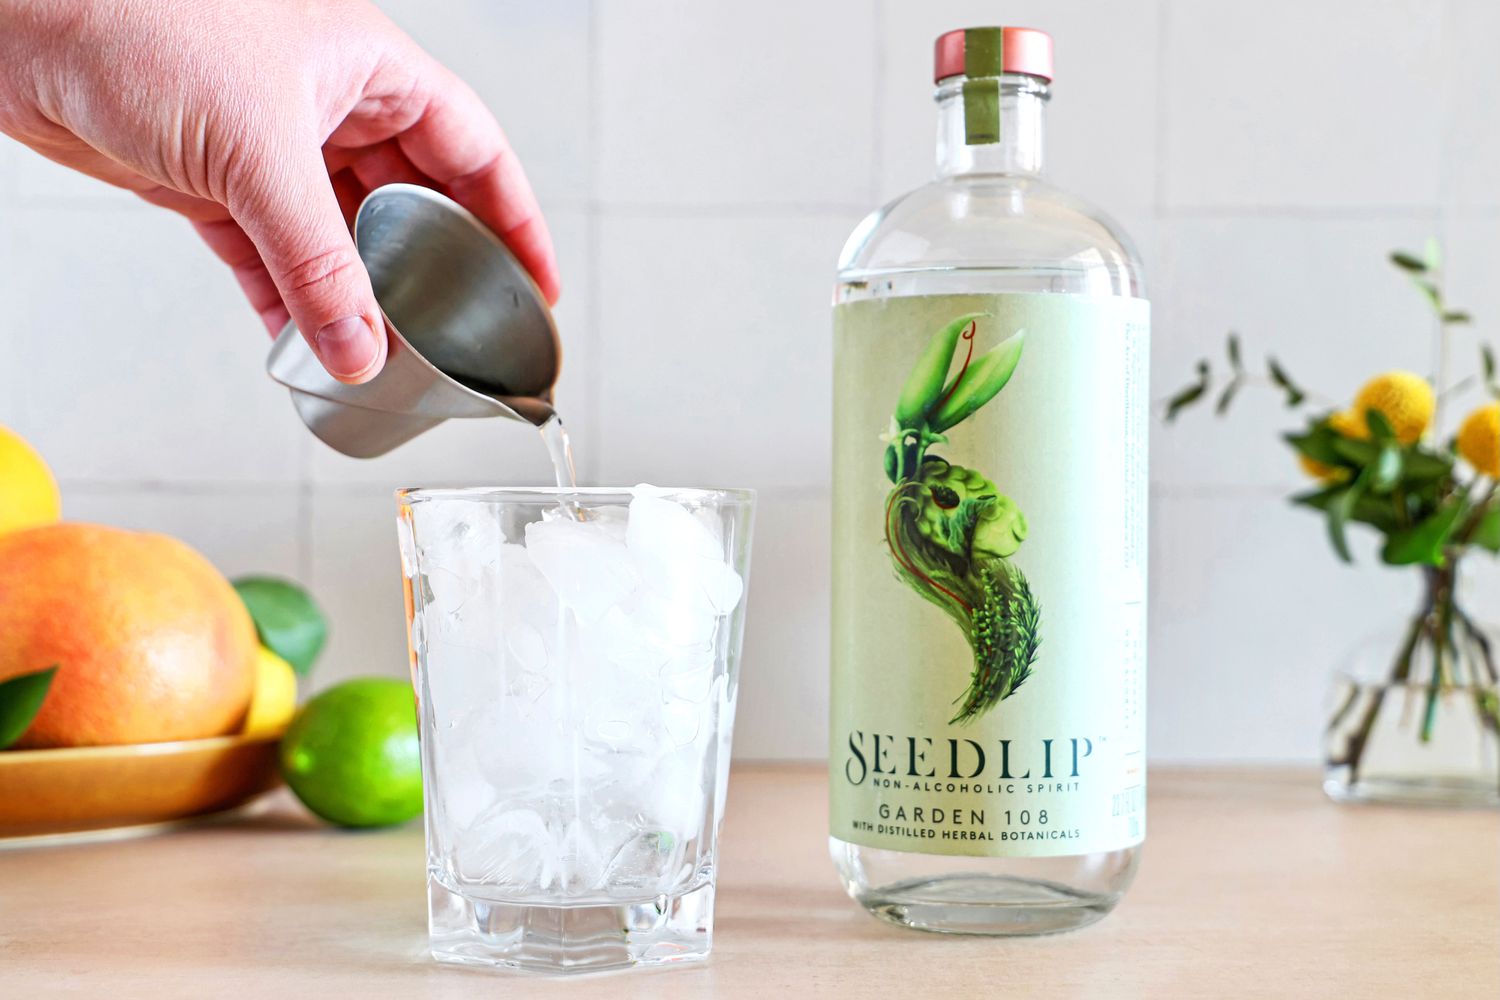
347, 347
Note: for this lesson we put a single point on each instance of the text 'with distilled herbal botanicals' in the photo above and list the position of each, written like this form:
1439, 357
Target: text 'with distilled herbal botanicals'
991, 344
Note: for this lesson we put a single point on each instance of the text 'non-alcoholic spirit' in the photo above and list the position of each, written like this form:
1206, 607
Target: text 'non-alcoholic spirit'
991, 334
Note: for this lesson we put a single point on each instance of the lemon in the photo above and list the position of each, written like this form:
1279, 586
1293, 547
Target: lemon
351, 753
1479, 440
274, 700
1405, 400
28, 493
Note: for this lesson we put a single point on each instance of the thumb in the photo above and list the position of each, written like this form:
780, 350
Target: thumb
293, 218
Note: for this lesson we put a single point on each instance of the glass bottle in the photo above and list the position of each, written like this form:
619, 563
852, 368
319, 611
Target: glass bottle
988, 225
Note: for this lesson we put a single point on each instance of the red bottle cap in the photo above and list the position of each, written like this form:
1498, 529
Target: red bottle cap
1024, 50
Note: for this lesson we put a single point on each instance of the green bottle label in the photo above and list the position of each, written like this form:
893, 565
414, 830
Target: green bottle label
989, 625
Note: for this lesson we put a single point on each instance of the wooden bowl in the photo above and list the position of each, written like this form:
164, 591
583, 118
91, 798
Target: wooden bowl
68, 790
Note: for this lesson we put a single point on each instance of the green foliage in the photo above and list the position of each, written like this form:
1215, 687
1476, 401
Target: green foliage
1413, 495
20, 700
1295, 396
1425, 542
286, 618
1487, 529
1403, 492
1189, 395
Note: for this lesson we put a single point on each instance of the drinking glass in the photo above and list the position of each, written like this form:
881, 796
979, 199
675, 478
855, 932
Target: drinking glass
576, 658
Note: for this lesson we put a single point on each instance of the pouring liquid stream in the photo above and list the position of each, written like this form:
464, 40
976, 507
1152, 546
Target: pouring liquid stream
560, 449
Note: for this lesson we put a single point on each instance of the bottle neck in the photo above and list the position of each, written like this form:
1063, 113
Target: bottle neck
1023, 103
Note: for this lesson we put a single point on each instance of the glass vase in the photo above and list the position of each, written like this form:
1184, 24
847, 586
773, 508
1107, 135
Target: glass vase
1416, 711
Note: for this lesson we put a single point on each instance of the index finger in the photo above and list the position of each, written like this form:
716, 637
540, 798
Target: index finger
458, 143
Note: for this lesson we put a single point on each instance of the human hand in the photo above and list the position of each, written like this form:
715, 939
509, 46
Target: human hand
265, 123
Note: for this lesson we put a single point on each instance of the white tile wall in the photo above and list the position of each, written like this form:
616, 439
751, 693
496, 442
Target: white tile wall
252, 530
714, 348
1473, 93
138, 360
530, 62
354, 569
701, 164
1318, 294
1329, 105
724, 104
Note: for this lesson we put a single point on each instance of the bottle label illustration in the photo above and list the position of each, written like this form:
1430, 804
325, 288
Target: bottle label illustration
990, 490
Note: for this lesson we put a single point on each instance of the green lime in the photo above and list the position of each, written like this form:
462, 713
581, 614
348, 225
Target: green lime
351, 753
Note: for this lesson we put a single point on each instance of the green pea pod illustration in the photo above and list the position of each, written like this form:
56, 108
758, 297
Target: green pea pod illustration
925, 385
979, 383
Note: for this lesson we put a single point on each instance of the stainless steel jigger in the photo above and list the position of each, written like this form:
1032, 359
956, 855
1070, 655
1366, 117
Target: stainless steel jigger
471, 334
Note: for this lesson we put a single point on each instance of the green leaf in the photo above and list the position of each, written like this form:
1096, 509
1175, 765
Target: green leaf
1487, 535
1294, 393
1432, 254
1387, 469
1234, 353
1227, 397
1433, 296
20, 699
288, 622
1457, 317
1319, 443
1408, 262
924, 386
1354, 452
1421, 466
1487, 359
1423, 542
1378, 513
1340, 509
1191, 394
1380, 428
981, 383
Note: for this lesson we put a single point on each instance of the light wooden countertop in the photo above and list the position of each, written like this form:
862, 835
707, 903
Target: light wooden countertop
1252, 886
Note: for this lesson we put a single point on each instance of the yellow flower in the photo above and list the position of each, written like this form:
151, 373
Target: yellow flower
1479, 440
1405, 400
1321, 472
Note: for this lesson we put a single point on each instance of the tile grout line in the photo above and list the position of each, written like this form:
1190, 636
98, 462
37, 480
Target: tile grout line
593, 255
1447, 190
1159, 175
877, 102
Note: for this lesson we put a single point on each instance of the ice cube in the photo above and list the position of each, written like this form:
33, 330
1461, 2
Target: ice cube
722, 586
664, 529
672, 622
689, 675
526, 646
681, 722
679, 558
676, 790
588, 569
456, 543
580, 862
645, 865
505, 846
612, 520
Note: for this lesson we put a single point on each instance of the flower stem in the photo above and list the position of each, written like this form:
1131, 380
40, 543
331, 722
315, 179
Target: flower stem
1355, 749
1444, 648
